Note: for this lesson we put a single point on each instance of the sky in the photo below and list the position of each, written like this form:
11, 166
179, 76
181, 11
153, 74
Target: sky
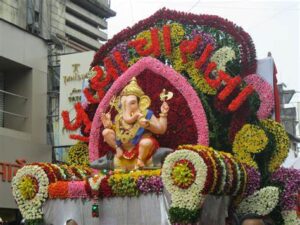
273, 25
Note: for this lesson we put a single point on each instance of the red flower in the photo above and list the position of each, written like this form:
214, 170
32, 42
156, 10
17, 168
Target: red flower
60, 189
167, 39
105, 189
247, 49
239, 100
188, 47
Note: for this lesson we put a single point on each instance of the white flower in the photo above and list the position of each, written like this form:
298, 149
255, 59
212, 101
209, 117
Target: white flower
222, 56
191, 197
95, 182
262, 202
290, 217
31, 208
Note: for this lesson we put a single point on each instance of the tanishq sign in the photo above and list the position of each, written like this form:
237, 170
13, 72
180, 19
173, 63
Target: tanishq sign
73, 71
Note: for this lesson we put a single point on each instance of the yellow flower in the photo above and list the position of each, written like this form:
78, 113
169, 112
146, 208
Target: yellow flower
250, 139
199, 80
78, 154
177, 33
282, 143
28, 187
147, 35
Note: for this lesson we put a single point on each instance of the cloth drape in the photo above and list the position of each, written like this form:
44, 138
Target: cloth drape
150, 209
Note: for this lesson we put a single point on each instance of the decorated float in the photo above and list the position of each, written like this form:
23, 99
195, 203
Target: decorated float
177, 129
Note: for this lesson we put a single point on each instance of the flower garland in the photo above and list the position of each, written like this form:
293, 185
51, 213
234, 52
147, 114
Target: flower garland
48, 170
174, 78
250, 139
105, 189
95, 182
281, 140
206, 155
149, 184
225, 175
134, 183
289, 179
221, 173
77, 189
189, 198
30, 202
265, 92
59, 190
262, 202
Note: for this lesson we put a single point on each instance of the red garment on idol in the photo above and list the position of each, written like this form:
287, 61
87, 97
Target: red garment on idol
133, 153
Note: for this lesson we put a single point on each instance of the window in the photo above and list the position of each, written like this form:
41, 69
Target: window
15, 83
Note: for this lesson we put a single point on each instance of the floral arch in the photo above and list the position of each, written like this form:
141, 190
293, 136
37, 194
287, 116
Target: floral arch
176, 80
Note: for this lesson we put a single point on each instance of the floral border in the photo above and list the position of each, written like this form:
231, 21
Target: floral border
175, 79
266, 95
247, 49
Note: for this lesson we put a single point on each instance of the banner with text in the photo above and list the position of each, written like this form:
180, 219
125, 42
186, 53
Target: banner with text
73, 77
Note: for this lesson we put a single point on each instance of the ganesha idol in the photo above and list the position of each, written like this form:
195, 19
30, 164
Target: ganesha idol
130, 133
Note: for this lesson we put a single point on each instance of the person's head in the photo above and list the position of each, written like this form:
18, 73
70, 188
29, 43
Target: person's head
252, 219
71, 222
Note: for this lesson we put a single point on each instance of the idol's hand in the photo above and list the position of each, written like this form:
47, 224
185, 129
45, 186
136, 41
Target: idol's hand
164, 108
144, 123
106, 120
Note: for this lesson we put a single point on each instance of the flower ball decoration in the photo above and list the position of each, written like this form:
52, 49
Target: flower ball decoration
30, 190
78, 154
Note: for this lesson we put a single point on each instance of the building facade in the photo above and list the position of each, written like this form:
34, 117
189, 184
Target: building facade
34, 35
290, 120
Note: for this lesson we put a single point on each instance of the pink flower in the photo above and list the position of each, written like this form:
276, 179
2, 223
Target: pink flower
77, 189
177, 80
265, 92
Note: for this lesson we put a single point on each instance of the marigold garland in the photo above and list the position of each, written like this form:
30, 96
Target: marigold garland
59, 189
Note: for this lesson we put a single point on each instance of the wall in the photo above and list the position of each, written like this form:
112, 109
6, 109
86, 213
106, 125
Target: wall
17, 47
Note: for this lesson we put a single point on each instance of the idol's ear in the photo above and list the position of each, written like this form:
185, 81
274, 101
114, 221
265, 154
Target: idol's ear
144, 103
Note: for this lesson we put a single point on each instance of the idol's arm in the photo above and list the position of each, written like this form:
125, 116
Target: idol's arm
158, 125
